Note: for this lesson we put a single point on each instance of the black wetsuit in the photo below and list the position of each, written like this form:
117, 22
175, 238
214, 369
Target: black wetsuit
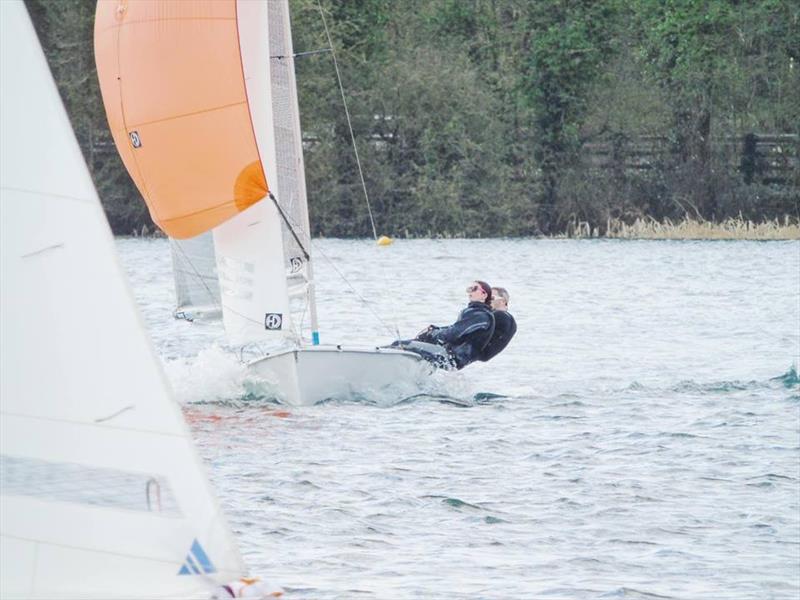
504, 329
466, 338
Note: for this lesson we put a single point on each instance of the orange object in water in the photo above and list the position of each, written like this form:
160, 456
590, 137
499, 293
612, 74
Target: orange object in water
172, 81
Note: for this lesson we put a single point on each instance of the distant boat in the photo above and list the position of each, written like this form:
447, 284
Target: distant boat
102, 494
202, 103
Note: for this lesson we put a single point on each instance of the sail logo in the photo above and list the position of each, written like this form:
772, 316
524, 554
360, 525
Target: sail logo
295, 264
273, 321
135, 139
197, 561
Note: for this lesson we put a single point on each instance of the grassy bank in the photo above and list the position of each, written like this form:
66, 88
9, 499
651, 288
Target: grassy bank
691, 229
650, 229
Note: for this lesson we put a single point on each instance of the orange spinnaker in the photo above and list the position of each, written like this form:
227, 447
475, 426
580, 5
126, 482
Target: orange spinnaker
173, 87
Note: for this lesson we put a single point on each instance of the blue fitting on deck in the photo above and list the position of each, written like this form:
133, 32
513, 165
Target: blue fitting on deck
315, 338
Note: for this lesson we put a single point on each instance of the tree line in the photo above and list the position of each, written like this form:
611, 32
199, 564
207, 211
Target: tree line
511, 117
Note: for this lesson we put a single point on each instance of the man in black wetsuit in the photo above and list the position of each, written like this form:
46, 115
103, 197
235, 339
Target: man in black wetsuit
504, 325
462, 342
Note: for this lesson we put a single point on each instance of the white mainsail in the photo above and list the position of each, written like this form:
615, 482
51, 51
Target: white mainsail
290, 172
103, 494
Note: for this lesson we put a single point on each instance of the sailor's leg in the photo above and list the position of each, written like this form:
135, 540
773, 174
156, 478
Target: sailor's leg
397, 344
433, 353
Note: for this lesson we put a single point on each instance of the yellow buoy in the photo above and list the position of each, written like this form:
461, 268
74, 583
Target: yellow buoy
385, 240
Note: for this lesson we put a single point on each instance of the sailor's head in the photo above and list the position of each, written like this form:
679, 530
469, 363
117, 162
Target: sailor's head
480, 291
499, 298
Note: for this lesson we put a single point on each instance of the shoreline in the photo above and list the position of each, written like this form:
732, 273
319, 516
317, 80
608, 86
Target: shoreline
641, 229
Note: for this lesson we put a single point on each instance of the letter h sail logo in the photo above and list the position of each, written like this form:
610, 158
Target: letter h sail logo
197, 561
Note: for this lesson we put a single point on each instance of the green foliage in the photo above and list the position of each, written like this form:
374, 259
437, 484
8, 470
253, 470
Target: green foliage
66, 31
565, 44
511, 117
715, 62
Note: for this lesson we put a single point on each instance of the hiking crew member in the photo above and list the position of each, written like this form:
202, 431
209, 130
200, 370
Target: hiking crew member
504, 325
466, 339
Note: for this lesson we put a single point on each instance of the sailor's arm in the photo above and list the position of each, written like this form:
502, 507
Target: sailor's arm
477, 321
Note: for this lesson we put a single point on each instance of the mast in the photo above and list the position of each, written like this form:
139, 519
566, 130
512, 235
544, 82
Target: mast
289, 166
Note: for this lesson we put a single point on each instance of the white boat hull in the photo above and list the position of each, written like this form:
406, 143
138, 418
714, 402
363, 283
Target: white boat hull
313, 374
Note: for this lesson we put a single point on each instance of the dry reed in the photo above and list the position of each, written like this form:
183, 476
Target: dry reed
691, 229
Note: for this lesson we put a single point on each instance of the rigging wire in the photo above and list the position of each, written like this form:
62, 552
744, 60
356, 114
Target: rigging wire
301, 54
364, 301
396, 330
349, 123
291, 224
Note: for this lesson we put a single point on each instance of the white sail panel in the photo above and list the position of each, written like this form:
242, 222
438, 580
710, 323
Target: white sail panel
194, 269
250, 257
255, 306
291, 188
103, 494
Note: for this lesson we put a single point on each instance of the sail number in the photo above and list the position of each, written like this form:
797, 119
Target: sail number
135, 139
295, 264
273, 321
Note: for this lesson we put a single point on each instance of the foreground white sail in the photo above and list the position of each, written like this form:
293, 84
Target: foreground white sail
103, 494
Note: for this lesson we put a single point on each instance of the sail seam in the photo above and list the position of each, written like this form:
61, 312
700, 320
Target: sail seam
93, 424
189, 114
218, 207
84, 548
129, 23
47, 194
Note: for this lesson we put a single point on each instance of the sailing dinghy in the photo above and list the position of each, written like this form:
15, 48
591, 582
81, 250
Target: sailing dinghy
202, 104
102, 494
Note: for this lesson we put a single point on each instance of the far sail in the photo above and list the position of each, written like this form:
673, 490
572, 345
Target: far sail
194, 270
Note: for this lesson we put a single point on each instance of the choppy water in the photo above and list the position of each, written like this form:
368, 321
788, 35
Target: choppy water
640, 437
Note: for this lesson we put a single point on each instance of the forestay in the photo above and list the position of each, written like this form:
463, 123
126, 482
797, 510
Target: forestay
103, 494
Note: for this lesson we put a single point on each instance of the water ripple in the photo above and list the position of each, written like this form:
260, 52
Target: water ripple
638, 439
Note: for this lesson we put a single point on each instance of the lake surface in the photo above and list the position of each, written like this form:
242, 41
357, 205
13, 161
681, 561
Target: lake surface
639, 437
